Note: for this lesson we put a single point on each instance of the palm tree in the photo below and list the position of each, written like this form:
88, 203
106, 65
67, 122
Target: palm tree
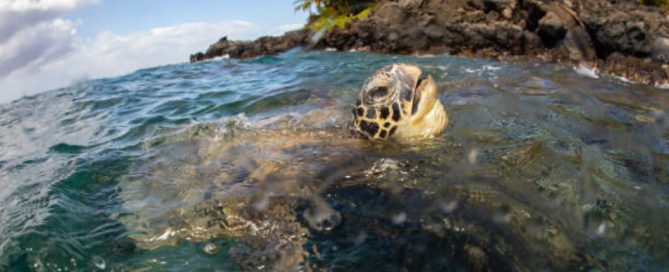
331, 13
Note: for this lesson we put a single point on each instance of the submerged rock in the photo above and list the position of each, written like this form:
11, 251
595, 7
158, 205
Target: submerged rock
316, 198
210, 249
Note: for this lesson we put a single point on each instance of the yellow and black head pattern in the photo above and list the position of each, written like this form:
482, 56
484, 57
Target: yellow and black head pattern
396, 102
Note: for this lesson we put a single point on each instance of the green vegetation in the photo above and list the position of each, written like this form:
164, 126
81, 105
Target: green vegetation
326, 14
331, 13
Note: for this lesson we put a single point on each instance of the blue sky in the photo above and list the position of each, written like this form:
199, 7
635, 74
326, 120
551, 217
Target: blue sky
49, 44
126, 16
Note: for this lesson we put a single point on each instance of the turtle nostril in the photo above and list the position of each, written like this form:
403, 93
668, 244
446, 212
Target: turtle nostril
414, 103
417, 95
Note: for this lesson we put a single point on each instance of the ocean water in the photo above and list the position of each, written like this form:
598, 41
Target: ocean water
245, 165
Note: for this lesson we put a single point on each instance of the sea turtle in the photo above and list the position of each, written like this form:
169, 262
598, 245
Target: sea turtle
217, 180
398, 102
292, 190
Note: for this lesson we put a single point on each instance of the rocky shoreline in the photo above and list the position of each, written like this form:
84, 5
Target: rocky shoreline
619, 37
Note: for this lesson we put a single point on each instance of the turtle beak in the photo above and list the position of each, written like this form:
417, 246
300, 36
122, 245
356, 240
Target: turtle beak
406, 77
424, 99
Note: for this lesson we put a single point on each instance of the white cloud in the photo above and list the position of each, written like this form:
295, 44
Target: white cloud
36, 45
110, 54
31, 35
18, 15
290, 27
31, 32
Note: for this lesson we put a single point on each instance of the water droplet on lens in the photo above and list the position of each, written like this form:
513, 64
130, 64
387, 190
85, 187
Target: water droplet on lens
472, 156
447, 223
601, 229
38, 265
502, 214
210, 249
362, 236
114, 216
450, 206
262, 203
99, 262
399, 218
596, 224
322, 220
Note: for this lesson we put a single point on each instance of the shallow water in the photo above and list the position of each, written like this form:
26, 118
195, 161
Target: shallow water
540, 167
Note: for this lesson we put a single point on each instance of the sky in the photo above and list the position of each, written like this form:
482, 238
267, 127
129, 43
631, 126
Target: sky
49, 44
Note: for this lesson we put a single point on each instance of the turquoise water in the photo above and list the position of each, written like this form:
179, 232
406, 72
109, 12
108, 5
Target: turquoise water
540, 167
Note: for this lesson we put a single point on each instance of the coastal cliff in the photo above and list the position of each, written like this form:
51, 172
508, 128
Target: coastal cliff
623, 37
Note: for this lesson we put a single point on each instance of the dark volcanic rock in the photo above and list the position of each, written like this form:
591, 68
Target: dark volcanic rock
637, 69
628, 29
617, 36
249, 49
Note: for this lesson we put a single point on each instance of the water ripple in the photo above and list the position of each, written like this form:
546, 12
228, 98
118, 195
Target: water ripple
581, 162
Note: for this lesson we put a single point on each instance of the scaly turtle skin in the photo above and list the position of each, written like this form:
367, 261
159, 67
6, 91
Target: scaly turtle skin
398, 102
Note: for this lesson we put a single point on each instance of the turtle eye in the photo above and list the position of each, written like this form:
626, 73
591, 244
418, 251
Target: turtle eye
377, 93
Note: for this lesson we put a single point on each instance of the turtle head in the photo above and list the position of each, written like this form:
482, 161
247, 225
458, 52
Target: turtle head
398, 102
